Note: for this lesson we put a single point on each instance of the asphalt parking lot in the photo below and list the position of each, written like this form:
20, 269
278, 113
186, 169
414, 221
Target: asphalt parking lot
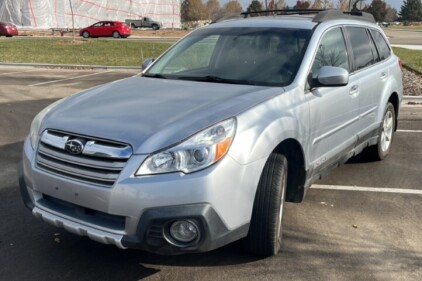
362, 222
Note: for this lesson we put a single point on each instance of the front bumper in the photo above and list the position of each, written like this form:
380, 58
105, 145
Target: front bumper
137, 212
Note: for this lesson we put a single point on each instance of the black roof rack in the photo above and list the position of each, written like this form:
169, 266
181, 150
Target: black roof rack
321, 15
337, 14
282, 12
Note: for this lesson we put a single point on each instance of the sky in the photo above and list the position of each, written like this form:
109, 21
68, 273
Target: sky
396, 4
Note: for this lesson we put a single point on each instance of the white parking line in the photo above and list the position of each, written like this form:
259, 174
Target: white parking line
17, 72
369, 189
72, 78
409, 131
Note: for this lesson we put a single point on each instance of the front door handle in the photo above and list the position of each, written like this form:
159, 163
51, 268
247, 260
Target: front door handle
354, 91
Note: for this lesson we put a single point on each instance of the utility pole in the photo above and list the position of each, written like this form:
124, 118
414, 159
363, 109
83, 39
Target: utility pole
73, 20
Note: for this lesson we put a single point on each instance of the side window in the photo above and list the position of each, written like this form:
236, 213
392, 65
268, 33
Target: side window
361, 48
382, 46
332, 51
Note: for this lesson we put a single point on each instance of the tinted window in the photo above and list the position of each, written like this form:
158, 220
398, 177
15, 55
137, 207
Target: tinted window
361, 48
382, 46
332, 51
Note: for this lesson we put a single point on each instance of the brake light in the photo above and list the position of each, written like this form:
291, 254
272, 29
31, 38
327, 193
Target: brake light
400, 64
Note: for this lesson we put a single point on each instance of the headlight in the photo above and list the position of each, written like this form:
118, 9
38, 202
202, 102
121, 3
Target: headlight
36, 123
198, 152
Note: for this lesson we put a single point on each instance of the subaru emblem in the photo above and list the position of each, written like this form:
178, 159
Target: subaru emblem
74, 146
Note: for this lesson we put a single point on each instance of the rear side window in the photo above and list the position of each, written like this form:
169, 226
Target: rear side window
382, 46
361, 47
332, 51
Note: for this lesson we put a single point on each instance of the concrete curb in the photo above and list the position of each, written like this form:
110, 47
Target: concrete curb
71, 66
412, 99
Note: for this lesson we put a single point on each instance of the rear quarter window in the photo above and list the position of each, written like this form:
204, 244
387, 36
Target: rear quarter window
361, 47
383, 49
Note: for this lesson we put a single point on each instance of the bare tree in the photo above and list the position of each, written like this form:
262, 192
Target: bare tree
213, 8
193, 10
232, 7
281, 4
343, 5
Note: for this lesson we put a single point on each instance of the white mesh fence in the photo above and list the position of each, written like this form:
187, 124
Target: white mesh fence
42, 14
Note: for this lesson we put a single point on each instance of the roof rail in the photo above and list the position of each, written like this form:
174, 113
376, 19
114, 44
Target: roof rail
321, 15
337, 14
282, 12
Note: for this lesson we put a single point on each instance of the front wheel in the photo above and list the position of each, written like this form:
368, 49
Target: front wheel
265, 230
85, 34
116, 34
385, 134
155, 27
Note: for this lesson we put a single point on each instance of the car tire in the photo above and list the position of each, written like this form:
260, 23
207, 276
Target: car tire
385, 135
85, 34
116, 34
265, 229
155, 27
133, 25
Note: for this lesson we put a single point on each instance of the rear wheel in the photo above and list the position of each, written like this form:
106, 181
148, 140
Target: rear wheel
385, 134
116, 34
265, 230
85, 34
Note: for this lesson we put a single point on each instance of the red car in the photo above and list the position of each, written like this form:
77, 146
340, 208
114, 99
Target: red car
114, 29
8, 29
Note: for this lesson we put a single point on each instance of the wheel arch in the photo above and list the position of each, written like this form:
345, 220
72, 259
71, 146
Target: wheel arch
394, 99
296, 173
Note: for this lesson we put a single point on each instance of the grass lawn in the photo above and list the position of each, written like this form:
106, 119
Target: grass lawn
85, 52
411, 58
410, 28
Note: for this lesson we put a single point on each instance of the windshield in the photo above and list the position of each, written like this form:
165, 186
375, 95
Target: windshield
252, 56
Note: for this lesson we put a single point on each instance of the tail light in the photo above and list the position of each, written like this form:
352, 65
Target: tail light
400, 64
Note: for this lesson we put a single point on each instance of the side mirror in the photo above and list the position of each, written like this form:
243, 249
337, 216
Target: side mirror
147, 63
331, 76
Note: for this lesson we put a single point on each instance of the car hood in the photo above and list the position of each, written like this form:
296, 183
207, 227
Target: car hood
150, 113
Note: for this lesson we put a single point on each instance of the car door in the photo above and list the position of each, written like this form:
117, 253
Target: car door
334, 111
96, 29
372, 76
108, 28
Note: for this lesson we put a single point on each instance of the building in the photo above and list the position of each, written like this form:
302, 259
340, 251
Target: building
42, 14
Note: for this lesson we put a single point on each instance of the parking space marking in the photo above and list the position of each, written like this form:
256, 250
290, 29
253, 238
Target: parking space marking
66, 79
409, 131
368, 189
17, 72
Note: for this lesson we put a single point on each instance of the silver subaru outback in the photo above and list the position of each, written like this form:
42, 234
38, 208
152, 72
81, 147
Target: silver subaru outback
205, 146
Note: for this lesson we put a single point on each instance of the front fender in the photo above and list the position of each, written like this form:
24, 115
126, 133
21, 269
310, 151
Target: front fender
262, 128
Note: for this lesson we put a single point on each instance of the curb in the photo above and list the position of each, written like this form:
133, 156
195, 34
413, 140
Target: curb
72, 66
412, 99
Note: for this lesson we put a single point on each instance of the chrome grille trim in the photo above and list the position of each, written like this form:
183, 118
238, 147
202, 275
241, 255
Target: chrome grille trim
100, 164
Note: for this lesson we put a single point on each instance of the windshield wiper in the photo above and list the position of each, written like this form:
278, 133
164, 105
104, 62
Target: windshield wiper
216, 79
154, 75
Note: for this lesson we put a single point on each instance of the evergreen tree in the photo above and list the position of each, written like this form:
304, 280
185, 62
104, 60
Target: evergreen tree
378, 9
411, 10
255, 6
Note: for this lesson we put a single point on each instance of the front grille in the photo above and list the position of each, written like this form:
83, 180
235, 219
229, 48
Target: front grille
98, 162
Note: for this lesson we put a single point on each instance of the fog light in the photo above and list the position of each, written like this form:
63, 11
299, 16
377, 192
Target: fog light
184, 231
